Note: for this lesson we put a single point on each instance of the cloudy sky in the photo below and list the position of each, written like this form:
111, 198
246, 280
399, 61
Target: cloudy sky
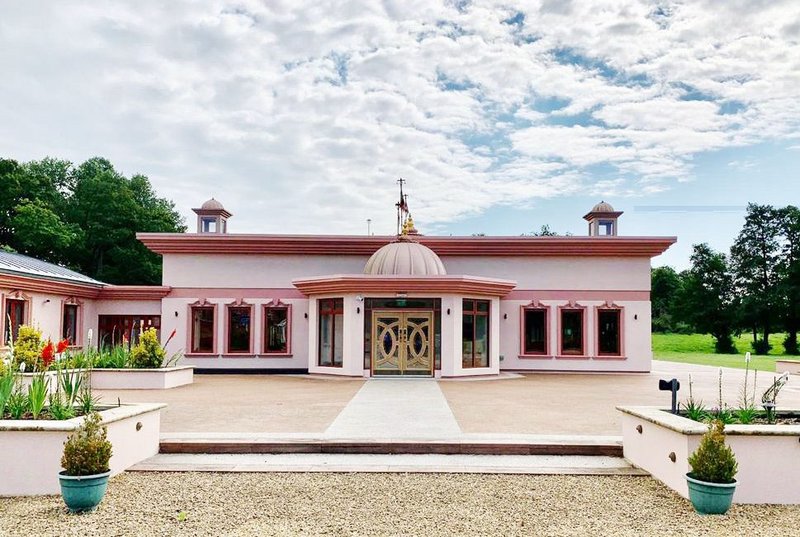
503, 116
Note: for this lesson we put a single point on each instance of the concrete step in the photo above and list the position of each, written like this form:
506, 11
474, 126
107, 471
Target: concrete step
431, 463
465, 445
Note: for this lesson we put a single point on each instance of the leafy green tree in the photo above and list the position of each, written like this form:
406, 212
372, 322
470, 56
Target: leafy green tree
664, 287
85, 217
790, 274
754, 259
706, 300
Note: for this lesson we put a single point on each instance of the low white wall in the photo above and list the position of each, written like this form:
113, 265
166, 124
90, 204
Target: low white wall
768, 455
31, 450
142, 379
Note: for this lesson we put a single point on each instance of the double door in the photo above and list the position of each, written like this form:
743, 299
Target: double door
402, 343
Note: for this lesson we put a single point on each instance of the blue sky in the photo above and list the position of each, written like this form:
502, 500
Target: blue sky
502, 115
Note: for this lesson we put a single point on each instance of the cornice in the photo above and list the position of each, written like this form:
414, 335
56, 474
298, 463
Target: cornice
362, 283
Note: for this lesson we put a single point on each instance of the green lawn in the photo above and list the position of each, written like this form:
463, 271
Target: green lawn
699, 349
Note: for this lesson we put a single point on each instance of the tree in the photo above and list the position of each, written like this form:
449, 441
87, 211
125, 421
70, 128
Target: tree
706, 299
664, 287
789, 268
85, 218
754, 259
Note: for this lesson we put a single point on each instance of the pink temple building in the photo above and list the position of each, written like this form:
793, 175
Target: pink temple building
366, 305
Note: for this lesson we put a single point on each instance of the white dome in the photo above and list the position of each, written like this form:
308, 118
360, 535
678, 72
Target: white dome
603, 207
212, 205
407, 258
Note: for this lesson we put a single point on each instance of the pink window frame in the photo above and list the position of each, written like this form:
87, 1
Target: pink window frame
72, 301
239, 304
26, 317
572, 306
275, 304
202, 303
608, 306
536, 306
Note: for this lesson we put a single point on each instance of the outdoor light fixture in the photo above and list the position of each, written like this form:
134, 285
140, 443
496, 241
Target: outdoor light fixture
176, 314
305, 315
358, 310
636, 317
671, 386
46, 300
448, 311
359, 298
505, 316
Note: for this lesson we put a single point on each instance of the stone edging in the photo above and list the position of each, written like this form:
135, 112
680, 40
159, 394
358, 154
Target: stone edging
665, 418
109, 415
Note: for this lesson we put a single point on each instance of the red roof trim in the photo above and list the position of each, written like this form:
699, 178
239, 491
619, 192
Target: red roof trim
47, 286
134, 292
193, 243
361, 283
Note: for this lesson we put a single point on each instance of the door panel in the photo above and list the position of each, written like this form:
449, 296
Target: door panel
402, 343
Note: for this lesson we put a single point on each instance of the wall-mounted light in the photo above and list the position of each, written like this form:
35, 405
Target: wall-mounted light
636, 317
176, 314
359, 298
305, 315
505, 316
46, 300
358, 310
448, 311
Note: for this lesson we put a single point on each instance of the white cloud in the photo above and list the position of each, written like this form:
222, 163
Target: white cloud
300, 115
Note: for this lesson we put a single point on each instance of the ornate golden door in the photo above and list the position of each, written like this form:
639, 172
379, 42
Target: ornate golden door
402, 343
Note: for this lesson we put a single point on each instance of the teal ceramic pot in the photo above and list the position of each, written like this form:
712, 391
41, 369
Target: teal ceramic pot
710, 498
83, 492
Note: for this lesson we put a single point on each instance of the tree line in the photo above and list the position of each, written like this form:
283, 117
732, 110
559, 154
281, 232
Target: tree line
84, 217
753, 289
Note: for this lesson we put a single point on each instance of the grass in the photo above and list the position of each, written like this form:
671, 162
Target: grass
699, 349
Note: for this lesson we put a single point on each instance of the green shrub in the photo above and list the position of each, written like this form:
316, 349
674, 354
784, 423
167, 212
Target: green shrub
28, 349
87, 450
713, 461
148, 354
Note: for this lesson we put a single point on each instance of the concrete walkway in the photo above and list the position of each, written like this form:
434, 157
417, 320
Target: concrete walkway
316, 462
411, 409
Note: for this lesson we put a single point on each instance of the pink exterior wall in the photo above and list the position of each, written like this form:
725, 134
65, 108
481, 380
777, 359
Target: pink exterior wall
175, 313
554, 281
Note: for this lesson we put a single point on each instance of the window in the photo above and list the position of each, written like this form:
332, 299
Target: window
572, 332
69, 323
277, 327
475, 333
209, 224
114, 329
331, 332
14, 317
239, 329
608, 330
605, 227
534, 332
203, 330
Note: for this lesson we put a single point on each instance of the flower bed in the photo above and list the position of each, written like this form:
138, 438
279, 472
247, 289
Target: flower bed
31, 449
142, 379
769, 455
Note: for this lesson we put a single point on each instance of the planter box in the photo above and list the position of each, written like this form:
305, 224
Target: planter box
768, 455
792, 366
142, 379
26, 379
31, 450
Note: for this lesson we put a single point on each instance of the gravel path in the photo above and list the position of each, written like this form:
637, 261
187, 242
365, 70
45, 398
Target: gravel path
386, 504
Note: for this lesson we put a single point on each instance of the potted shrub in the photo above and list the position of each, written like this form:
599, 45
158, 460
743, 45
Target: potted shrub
711, 481
85, 462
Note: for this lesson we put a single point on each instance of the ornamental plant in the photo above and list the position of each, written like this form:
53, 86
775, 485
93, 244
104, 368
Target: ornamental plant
713, 461
87, 450
28, 349
148, 353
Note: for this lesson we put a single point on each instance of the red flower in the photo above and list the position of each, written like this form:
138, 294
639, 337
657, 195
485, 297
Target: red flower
62, 346
48, 353
172, 335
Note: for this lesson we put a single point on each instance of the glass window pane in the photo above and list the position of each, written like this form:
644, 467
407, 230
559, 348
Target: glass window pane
14, 317
276, 330
572, 332
483, 305
69, 323
481, 341
326, 339
608, 332
238, 329
467, 335
535, 329
338, 339
468, 305
203, 330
